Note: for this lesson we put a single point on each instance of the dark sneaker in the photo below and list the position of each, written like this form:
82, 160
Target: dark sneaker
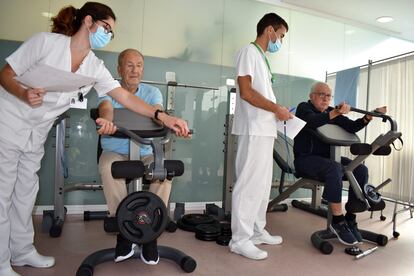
353, 226
149, 253
124, 249
344, 234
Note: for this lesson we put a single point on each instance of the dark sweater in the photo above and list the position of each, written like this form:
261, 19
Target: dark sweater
306, 143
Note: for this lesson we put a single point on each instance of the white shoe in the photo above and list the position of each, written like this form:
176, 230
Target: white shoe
266, 238
8, 272
248, 250
34, 259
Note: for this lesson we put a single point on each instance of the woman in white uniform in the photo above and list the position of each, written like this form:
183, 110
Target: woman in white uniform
27, 115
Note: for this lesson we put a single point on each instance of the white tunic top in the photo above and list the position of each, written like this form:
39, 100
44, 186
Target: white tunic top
248, 119
21, 123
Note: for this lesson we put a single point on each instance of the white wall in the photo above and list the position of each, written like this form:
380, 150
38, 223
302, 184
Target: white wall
212, 31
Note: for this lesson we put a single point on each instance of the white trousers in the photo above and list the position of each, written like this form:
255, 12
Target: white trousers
250, 197
19, 185
115, 190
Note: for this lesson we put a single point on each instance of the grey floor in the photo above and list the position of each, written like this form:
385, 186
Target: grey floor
296, 256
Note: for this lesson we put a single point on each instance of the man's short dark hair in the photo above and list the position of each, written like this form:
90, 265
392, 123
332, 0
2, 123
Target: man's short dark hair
270, 19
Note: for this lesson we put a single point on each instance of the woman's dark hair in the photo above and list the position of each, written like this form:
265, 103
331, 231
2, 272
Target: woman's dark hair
270, 19
69, 19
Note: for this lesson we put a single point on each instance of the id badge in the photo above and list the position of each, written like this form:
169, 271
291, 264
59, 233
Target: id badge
75, 103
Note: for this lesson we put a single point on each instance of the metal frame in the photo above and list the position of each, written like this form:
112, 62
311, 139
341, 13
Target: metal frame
319, 238
369, 66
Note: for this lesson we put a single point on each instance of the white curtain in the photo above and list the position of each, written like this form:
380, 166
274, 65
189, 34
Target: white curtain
392, 84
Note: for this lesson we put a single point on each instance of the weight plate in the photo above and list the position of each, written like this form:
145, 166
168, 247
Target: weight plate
206, 238
223, 240
208, 229
196, 219
141, 217
184, 226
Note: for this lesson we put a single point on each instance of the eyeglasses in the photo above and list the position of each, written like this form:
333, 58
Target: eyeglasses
107, 28
323, 95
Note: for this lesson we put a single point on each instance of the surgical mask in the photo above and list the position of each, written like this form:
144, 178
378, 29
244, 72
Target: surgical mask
273, 47
100, 38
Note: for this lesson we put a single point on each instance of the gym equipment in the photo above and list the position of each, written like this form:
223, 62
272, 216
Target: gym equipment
190, 221
141, 216
366, 252
337, 137
53, 220
207, 232
353, 251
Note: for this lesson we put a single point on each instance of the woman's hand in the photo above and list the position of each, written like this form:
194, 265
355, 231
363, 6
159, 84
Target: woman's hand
179, 126
33, 96
106, 127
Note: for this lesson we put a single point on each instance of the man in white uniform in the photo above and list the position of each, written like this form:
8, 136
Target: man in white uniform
255, 125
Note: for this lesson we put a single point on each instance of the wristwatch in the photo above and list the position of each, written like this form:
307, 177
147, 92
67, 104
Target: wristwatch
157, 112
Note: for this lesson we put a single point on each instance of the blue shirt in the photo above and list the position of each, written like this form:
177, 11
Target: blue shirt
149, 94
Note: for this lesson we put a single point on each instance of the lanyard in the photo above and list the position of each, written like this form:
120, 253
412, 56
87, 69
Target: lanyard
267, 62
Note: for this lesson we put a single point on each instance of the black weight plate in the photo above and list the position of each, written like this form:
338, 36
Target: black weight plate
208, 235
196, 219
225, 225
223, 240
208, 229
142, 217
206, 238
225, 228
184, 226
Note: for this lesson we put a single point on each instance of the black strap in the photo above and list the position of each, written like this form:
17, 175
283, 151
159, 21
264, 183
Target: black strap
157, 112
402, 144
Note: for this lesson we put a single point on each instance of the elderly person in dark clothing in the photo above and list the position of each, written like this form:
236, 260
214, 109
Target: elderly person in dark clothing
312, 157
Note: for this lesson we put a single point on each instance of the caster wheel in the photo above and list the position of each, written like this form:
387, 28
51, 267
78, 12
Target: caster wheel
395, 234
382, 218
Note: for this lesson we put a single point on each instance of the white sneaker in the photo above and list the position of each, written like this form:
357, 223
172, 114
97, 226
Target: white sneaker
34, 259
8, 272
266, 238
248, 250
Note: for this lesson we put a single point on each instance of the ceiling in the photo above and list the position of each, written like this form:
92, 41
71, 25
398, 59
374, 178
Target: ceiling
361, 13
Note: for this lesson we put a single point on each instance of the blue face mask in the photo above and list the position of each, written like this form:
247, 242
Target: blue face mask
273, 47
100, 38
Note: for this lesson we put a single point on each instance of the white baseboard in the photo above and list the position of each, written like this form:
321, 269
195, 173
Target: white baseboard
79, 209
189, 206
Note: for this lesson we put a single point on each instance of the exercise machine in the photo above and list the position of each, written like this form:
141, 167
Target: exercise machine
338, 137
142, 216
